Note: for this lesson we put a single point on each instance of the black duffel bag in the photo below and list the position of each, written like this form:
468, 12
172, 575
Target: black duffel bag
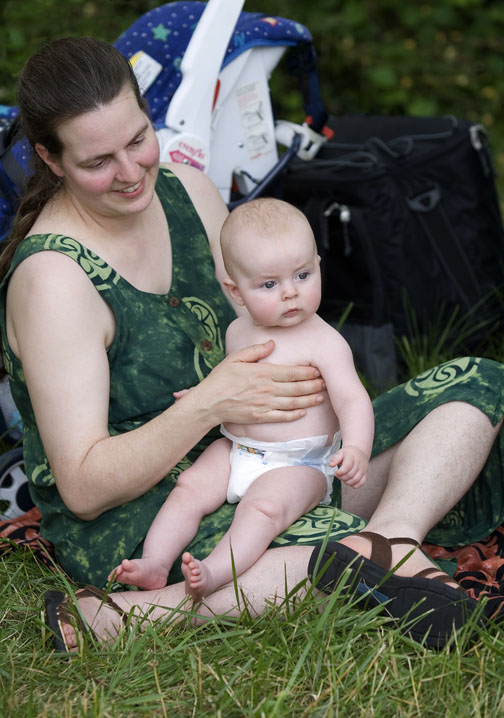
408, 225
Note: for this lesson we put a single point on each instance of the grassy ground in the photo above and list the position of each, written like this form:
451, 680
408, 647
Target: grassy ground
297, 660
294, 661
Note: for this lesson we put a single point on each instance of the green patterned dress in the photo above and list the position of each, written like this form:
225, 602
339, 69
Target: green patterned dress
167, 342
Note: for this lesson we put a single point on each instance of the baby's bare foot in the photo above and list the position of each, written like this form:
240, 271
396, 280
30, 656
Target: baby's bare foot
145, 573
198, 580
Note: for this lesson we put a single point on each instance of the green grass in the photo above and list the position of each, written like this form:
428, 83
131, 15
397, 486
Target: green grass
293, 661
450, 334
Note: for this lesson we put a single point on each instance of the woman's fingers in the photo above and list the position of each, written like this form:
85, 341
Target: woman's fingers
297, 392
277, 416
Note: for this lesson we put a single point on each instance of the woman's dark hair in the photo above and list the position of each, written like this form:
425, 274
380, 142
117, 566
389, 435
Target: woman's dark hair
62, 80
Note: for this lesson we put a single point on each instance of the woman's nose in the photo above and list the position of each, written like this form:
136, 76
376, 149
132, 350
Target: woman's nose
127, 170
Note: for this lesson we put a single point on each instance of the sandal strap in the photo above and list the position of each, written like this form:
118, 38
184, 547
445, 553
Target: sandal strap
104, 597
426, 572
441, 576
65, 614
381, 551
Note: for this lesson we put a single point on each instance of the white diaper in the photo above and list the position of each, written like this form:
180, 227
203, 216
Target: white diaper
251, 458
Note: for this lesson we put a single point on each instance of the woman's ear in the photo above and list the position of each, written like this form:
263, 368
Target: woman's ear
233, 291
46, 157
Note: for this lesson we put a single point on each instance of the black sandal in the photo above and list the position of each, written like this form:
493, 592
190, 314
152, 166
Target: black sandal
60, 609
432, 608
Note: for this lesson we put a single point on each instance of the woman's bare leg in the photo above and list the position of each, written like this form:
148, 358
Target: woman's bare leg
262, 584
428, 472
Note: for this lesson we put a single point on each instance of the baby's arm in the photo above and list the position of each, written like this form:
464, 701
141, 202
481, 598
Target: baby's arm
352, 405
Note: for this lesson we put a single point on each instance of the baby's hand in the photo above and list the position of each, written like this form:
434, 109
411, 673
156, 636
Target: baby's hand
352, 466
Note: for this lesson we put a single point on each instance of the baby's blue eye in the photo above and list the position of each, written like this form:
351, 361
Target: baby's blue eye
269, 285
303, 275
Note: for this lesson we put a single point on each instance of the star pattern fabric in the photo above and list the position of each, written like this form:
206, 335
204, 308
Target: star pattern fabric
164, 32
160, 32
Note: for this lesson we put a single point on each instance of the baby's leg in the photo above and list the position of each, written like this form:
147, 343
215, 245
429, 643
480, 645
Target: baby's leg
200, 490
271, 504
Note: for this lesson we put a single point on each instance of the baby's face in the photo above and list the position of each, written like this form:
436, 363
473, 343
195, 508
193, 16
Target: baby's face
279, 281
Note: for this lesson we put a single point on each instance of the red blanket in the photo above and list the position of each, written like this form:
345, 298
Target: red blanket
480, 568
24, 531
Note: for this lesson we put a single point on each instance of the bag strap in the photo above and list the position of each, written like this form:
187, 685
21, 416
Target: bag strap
302, 63
445, 243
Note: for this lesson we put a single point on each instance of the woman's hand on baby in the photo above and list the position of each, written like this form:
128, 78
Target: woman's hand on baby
352, 466
241, 389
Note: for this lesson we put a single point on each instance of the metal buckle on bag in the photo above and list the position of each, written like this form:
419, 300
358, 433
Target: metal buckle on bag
344, 218
479, 140
475, 133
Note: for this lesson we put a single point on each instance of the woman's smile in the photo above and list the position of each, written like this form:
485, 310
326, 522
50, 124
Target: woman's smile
134, 190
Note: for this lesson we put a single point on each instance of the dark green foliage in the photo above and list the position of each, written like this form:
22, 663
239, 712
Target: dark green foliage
26, 24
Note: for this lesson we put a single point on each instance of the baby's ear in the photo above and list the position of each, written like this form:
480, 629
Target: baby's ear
233, 291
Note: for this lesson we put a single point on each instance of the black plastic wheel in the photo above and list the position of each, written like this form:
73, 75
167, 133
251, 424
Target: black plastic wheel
13, 485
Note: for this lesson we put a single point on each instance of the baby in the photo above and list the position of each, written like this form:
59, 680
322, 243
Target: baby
278, 471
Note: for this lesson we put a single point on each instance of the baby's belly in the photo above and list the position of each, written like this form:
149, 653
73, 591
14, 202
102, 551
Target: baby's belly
319, 420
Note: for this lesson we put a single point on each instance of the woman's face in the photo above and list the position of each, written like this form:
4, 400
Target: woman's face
110, 159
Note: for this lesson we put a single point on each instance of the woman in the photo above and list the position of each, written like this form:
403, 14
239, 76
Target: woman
111, 303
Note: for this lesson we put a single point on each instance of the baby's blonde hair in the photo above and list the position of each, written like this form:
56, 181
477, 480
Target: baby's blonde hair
267, 216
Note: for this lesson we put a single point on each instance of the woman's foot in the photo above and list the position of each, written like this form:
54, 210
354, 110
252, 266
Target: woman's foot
145, 573
416, 562
198, 579
103, 618
430, 602
105, 615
